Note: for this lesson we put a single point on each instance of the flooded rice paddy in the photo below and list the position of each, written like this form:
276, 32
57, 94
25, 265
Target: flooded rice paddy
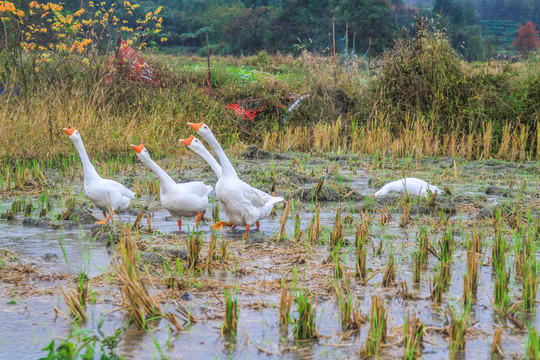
49, 240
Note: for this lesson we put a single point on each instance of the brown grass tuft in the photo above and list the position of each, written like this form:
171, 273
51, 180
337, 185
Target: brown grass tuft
136, 299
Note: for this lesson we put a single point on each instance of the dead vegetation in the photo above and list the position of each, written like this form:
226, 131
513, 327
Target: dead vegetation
136, 299
76, 301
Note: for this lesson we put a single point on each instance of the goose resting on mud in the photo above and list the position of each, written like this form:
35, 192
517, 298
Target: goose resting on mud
411, 186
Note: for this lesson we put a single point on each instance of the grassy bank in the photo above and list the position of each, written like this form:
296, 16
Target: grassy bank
415, 104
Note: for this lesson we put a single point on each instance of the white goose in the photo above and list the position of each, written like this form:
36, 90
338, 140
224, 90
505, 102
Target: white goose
107, 195
412, 186
243, 204
197, 146
181, 200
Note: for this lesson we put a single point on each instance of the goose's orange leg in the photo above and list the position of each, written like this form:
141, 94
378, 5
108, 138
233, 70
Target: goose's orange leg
199, 217
222, 224
104, 221
258, 224
179, 225
247, 232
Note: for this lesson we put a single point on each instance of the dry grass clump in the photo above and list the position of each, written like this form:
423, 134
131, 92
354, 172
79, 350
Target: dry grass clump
76, 301
413, 329
470, 279
361, 239
404, 292
496, 349
417, 266
315, 225
336, 236
285, 302
386, 215
351, 317
389, 275
284, 218
404, 220
458, 322
136, 299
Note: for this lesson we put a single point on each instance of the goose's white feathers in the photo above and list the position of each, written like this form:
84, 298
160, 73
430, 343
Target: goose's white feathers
411, 186
182, 199
121, 188
106, 194
185, 199
243, 204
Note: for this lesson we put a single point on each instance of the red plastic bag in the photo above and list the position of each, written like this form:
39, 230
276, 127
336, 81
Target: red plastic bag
248, 114
133, 66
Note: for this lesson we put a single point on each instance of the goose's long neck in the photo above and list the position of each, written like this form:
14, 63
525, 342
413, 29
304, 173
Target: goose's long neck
205, 154
226, 167
161, 174
89, 170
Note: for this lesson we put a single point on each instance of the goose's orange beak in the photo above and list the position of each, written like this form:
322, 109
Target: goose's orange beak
194, 126
69, 132
187, 141
138, 148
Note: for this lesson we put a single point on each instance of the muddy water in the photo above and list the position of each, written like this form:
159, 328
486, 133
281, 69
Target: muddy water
60, 251
29, 323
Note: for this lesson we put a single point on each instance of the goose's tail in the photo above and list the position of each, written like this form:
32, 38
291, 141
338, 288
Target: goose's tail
276, 199
125, 203
267, 209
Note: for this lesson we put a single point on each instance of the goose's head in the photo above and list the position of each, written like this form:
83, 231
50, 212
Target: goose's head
141, 152
193, 143
381, 192
72, 134
201, 129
